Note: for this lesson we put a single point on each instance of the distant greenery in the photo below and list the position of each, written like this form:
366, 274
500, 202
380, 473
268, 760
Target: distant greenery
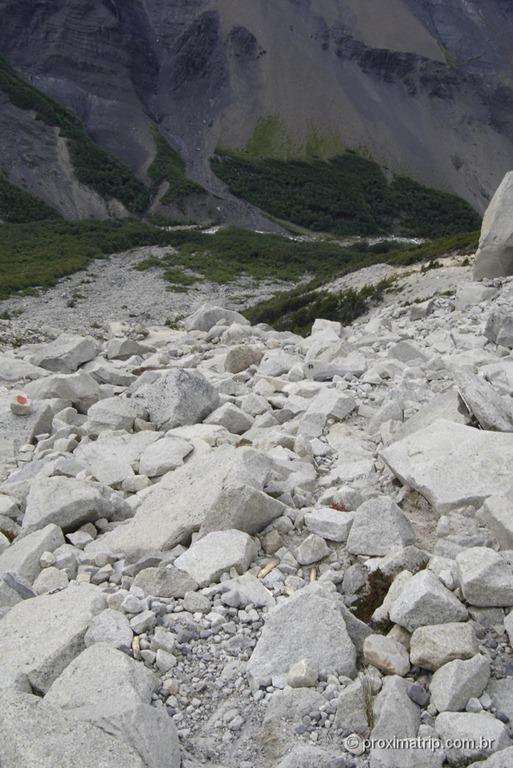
169, 166
348, 195
18, 206
38, 254
271, 139
93, 165
296, 310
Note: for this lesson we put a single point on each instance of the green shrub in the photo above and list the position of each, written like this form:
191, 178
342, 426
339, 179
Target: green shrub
93, 165
348, 195
18, 206
169, 166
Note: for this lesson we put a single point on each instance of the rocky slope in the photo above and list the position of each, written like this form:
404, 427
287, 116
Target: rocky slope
229, 546
422, 86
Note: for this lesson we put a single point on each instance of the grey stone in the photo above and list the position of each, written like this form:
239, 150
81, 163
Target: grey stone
499, 329
311, 550
494, 257
79, 389
64, 355
423, 601
35, 734
471, 294
165, 581
247, 590
308, 625
16, 431
497, 514
41, 636
112, 413
386, 654
378, 527
433, 646
177, 398
329, 523
111, 458
304, 756
214, 490
50, 580
452, 465
164, 455
205, 318
215, 553
458, 681
303, 674
231, 418
489, 408
24, 554
64, 501
109, 627
501, 694
477, 736
352, 709
502, 759
195, 602
485, 577
123, 348
241, 358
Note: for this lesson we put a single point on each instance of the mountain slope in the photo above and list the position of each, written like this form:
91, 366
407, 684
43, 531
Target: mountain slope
422, 86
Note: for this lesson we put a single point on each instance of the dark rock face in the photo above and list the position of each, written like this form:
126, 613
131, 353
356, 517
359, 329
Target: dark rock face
425, 86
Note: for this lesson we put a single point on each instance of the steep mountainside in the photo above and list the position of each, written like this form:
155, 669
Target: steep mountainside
422, 86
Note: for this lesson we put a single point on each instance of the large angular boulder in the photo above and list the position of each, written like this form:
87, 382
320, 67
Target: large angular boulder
41, 636
215, 490
207, 559
486, 578
471, 736
499, 329
204, 318
35, 734
309, 625
379, 527
432, 646
110, 459
79, 389
457, 682
177, 398
65, 354
66, 502
494, 257
24, 554
490, 409
452, 465
424, 600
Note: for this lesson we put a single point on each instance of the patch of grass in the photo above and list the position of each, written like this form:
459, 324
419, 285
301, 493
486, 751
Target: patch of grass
347, 195
93, 165
18, 206
169, 166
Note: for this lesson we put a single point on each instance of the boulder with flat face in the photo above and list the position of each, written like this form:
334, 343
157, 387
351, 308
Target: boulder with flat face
452, 465
494, 257
65, 354
215, 490
41, 636
309, 625
35, 734
176, 398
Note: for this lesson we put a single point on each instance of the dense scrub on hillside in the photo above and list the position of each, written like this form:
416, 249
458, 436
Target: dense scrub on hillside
18, 206
169, 166
296, 310
37, 254
93, 165
348, 195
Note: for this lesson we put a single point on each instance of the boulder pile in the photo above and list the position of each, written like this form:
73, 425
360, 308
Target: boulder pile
224, 545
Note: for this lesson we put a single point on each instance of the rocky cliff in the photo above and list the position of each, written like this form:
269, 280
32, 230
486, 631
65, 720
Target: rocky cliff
422, 86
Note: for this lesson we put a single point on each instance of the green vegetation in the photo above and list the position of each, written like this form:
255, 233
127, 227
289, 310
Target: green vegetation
18, 206
169, 166
296, 310
38, 254
347, 195
93, 165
